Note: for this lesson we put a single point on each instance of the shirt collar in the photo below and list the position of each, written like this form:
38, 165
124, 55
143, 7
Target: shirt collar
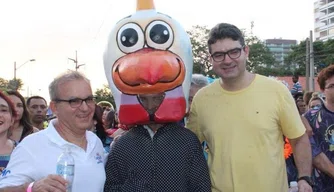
149, 131
166, 127
54, 137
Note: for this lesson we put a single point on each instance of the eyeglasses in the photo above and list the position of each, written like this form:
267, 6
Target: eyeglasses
331, 86
233, 54
77, 102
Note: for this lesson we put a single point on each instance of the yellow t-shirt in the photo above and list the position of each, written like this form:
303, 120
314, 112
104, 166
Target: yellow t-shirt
244, 132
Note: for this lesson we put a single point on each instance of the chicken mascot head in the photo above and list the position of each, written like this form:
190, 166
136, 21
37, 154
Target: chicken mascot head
149, 52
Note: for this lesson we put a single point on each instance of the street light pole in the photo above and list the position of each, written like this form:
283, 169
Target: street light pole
76, 61
16, 68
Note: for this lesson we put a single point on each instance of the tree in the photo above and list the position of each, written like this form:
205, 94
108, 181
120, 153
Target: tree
260, 59
198, 37
104, 94
3, 83
323, 56
13, 84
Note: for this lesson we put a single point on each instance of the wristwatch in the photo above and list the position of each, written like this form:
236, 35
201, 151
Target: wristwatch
308, 179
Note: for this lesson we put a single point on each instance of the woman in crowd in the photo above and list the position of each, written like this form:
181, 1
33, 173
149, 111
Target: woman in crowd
106, 108
22, 126
307, 97
7, 117
301, 106
110, 122
315, 101
99, 130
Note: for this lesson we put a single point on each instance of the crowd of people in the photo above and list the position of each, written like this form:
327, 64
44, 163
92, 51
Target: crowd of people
316, 111
242, 132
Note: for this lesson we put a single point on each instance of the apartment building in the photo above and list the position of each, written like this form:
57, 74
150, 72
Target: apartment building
280, 48
323, 20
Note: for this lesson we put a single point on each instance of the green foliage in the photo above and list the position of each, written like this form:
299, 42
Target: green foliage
323, 56
260, 59
198, 37
13, 84
104, 94
3, 83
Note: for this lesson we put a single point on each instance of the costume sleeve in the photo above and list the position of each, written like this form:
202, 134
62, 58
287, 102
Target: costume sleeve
289, 118
20, 169
199, 178
113, 181
193, 121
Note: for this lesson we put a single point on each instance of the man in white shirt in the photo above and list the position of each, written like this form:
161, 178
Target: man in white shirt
32, 166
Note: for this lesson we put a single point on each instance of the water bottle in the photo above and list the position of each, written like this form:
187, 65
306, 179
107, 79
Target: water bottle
293, 186
65, 168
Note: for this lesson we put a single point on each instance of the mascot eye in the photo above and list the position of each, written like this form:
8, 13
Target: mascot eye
130, 38
159, 35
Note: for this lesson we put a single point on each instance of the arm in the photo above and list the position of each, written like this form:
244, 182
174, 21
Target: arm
113, 182
49, 183
302, 154
320, 160
20, 172
21, 188
199, 178
119, 176
293, 128
322, 163
307, 126
303, 158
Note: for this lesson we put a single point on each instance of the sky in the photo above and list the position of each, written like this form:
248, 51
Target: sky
51, 31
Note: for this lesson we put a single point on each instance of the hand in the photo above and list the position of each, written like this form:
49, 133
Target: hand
54, 183
303, 186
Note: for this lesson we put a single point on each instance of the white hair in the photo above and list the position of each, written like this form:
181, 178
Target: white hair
199, 80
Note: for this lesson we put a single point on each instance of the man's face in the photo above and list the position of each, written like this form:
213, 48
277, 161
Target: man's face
228, 68
151, 102
37, 109
76, 118
294, 79
329, 90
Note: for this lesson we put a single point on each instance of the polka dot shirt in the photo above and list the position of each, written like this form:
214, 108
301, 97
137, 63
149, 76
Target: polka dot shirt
171, 161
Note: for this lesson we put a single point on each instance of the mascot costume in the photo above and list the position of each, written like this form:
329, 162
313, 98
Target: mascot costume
147, 53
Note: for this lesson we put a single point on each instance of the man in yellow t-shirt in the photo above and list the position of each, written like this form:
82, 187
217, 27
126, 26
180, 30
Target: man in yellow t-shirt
243, 118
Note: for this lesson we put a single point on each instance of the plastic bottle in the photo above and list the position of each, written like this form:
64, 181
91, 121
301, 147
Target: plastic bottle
293, 186
65, 167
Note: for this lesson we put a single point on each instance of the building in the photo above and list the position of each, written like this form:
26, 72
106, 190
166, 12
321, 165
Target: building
280, 48
323, 20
